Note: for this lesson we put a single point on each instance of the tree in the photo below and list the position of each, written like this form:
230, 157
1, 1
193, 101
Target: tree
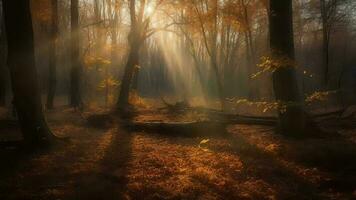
330, 16
21, 62
75, 73
325, 12
137, 35
291, 116
210, 38
2, 60
52, 81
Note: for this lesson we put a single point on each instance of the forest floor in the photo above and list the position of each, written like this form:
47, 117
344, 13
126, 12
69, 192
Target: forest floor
251, 162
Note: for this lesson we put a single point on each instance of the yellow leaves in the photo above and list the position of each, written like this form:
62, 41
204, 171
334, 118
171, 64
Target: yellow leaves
267, 106
319, 96
271, 64
108, 82
91, 61
202, 143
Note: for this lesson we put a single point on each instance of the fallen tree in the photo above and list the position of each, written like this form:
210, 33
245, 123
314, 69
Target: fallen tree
192, 129
214, 124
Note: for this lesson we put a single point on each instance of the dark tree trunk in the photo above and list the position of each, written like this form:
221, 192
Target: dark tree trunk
2, 61
135, 78
21, 62
291, 119
75, 96
132, 61
135, 39
2, 84
326, 43
52, 80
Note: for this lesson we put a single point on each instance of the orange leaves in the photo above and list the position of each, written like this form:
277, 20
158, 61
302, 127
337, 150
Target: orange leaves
176, 166
41, 10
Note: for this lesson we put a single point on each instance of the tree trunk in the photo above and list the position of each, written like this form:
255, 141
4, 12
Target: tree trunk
325, 45
2, 61
135, 78
213, 58
52, 81
21, 62
2, 85
132, 61
135, 41
292, 117
75, 96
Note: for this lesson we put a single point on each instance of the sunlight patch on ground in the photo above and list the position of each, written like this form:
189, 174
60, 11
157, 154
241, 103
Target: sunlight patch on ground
179, 168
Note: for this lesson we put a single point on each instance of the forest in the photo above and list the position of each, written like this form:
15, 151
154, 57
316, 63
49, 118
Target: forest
177, 99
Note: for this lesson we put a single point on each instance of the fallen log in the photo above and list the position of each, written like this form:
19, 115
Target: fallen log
251, 121
258, 120
191, 129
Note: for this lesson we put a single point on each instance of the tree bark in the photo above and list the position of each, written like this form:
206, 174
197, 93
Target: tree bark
52, 80
132, 61
326, 42
135, 39
75, 96
2, 61
21, 62
292, 118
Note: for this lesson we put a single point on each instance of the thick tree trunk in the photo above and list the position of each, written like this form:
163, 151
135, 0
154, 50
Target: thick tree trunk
135, 41
2, 85
52, 80
75, 96
132, 61
135, 79
21, 62
292, 117
2, 61
2, 77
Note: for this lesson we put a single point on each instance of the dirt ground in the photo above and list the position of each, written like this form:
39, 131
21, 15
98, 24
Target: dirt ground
112, 163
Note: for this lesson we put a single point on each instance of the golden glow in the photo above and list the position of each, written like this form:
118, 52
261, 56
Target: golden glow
149, 10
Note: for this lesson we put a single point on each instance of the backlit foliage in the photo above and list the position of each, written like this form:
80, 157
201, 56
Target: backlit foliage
271, 64
319, 96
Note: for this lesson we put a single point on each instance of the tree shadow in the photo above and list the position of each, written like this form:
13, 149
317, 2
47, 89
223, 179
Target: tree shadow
108, 180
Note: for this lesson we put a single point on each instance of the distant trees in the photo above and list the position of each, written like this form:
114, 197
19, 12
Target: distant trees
75, 72
52, 75
330, 14
210, 32
21, 62
291, 113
